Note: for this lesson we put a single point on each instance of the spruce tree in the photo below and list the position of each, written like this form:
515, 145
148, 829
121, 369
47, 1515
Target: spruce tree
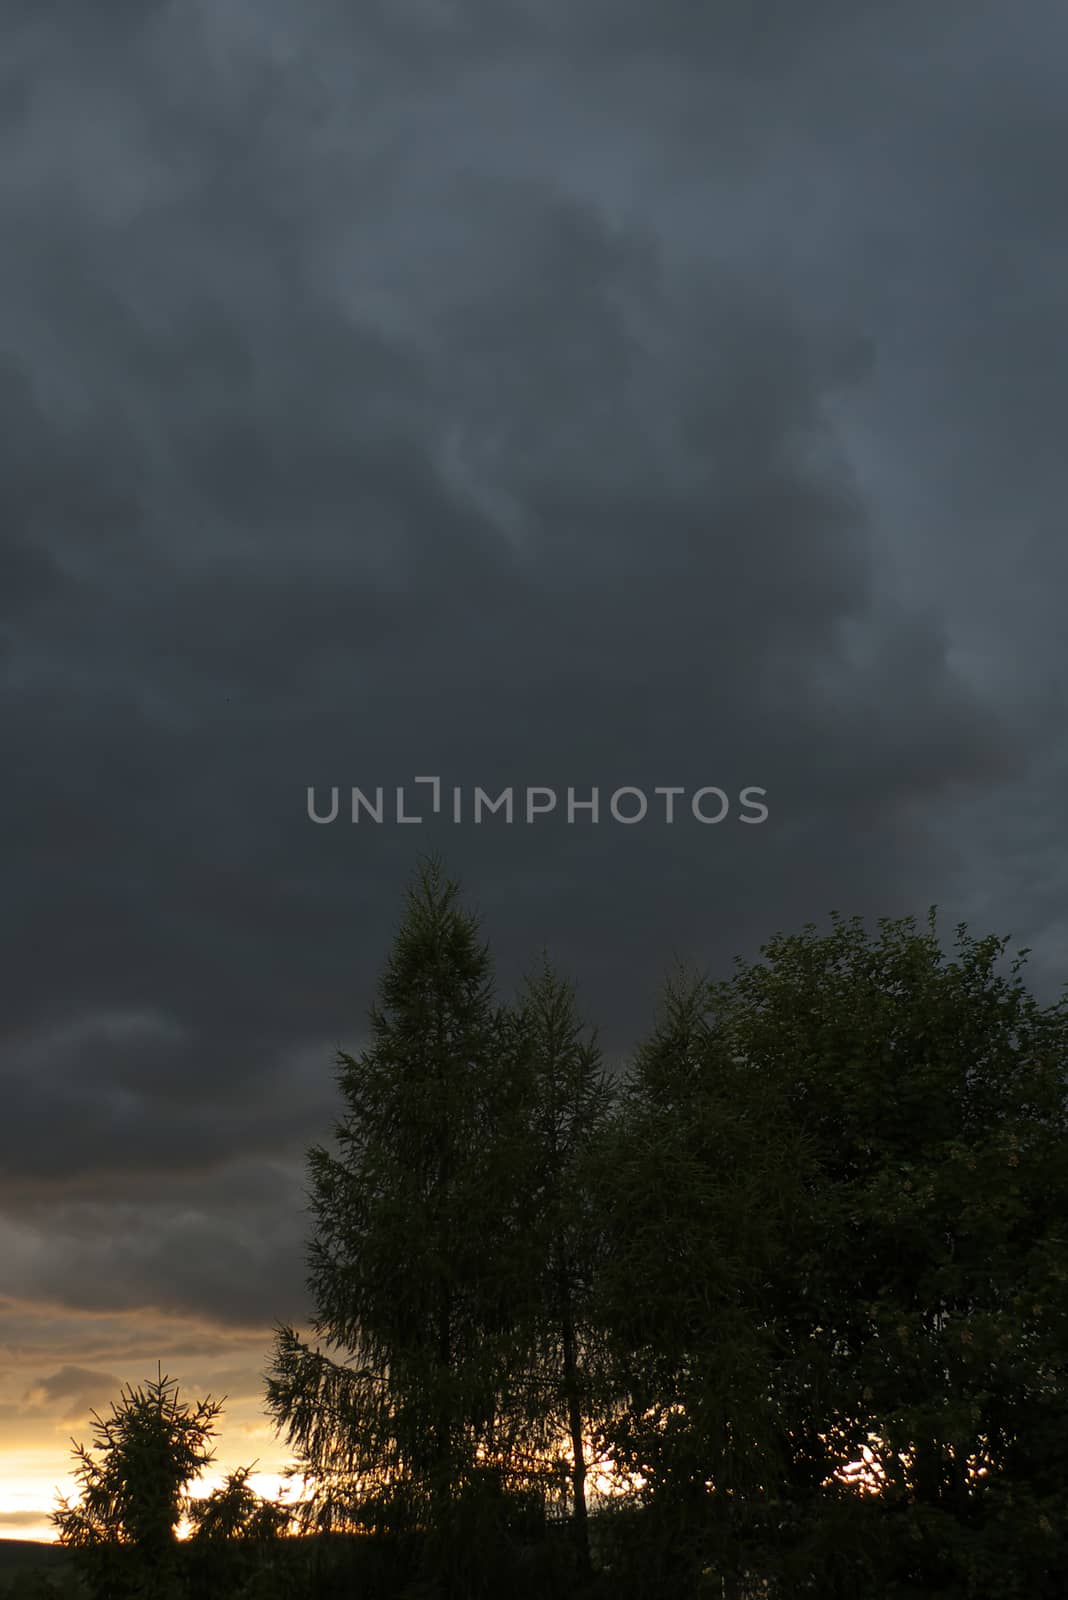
134, 1482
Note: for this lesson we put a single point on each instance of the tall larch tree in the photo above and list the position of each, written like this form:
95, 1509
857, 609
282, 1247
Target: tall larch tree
393, 1408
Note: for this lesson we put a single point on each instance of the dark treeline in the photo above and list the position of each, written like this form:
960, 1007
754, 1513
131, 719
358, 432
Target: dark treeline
820, 1221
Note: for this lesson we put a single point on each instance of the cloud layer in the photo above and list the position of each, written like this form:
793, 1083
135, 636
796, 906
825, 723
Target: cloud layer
560, 394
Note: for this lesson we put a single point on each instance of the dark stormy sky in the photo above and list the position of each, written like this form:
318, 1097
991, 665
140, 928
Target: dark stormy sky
532, 392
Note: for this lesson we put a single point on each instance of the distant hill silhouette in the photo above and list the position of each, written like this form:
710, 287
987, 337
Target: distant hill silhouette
20, 1555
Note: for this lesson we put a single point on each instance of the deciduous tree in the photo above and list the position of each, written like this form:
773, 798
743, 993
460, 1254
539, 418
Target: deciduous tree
564, 1098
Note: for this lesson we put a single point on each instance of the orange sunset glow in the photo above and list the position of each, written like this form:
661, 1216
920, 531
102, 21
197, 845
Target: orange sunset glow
58, 1366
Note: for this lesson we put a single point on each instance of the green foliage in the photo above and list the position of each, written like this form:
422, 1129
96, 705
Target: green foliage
702, 1185
236, 1511
562, 1103
393, 1411
934, 1094
234, 1539
133, 1488
134, 1483
824, 1219
837, 1210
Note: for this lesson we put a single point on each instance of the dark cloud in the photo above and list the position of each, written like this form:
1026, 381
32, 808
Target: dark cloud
18, 1520
524, 394
72, 1392
179, 1246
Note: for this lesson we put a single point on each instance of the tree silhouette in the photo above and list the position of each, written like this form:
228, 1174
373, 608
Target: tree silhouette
823, 1220
133, 1482
394, 1413
838, 1205
565, 1097
700, 1178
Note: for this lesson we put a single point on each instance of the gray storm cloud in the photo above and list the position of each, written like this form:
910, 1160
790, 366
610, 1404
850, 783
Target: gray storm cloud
571, 394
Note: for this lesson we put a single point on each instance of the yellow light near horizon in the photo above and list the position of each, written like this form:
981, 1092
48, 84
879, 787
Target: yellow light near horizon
27, 1500
26, 1503
31, 1486
268, 1485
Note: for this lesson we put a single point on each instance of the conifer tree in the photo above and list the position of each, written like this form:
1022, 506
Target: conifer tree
565, 1096
393, 1410
133, 1489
